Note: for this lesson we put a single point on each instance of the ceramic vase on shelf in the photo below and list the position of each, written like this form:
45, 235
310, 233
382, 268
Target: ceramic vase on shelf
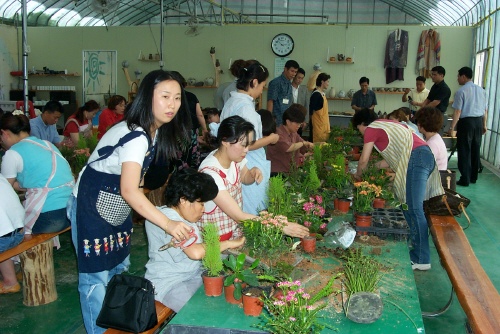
344, 205
309, 244
213, 285
332, 92
363, 219
252, 303
378, 203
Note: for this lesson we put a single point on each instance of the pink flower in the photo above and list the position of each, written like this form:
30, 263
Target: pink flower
323, 226
306, 296
307, 224
319, 199
292, 319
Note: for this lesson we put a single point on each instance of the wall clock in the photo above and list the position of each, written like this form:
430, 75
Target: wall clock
282, 45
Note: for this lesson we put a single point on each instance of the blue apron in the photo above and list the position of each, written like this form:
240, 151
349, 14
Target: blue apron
104, 222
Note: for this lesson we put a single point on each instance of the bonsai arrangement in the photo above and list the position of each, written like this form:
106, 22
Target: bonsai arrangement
213, 275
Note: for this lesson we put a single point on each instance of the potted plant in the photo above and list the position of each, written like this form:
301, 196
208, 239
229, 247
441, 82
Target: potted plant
239, 278
362, 202
362, 275
314, 213
213, 276
295, 310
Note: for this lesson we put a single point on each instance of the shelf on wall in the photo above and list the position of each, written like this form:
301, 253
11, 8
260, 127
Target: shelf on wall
340, 62
50, 75
200, 87
339, 98
149, 60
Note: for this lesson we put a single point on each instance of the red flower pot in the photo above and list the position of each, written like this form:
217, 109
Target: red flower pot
379, 203
213, 285
344, 205
363, 220
309, 244
229, 294
252, 303
336, 203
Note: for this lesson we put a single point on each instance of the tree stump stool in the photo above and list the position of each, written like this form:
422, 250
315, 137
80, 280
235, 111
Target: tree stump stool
39, 285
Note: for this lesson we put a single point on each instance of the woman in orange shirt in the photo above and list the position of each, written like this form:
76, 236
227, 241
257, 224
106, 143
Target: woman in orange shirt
80, 123
112, 115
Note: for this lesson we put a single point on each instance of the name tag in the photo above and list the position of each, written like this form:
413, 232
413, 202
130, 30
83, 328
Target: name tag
285, 101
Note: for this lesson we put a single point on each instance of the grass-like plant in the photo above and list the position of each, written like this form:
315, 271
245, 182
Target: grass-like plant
362, 273
212, 260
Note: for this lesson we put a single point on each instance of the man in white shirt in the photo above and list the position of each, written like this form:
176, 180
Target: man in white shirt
300, 94
416, 96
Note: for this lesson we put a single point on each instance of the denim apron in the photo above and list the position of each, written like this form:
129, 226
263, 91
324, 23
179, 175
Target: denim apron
104, 222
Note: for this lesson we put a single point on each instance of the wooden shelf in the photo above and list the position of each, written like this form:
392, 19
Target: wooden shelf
149, 60
389, 93
340, 62
52, 75
200, 87
339, 98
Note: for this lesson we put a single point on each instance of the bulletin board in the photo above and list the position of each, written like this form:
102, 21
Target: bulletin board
279, 66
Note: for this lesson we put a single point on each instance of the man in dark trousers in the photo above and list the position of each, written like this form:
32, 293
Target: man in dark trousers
470, 119
439, 95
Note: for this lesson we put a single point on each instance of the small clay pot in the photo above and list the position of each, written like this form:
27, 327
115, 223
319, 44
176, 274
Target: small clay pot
363, 220
344, 205
229, 294
309, 244
213, 285
378, 203
252, 302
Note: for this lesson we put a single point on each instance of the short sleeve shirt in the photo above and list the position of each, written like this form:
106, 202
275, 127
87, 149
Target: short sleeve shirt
280, 92
364, 100
470, 99
440, 92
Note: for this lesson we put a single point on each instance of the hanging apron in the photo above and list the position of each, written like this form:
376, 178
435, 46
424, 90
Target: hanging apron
104, 222
321, 122
228, 228
85, 130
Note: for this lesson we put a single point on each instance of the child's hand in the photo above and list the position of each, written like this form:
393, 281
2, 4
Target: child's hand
237, 243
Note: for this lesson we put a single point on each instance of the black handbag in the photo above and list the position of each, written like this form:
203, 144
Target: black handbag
449, 204
129, 304
448, 179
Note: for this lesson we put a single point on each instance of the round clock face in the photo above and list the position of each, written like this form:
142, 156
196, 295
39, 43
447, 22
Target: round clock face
282, 45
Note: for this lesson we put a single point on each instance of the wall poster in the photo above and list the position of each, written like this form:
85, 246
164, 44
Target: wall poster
99, 75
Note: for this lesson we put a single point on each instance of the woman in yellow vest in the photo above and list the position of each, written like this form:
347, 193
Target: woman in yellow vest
318, 107
417, 176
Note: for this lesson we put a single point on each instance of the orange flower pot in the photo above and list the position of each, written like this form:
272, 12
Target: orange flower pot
378, 203
363, 220
309, 244
229, 294
252, 303
213, 285
344, 205
336, 203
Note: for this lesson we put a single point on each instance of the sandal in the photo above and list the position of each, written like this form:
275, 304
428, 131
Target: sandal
11, 289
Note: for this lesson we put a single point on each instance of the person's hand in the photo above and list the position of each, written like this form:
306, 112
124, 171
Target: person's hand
309, 145
236, 243
256, 174
356, 177
296, 230
274, 138
485, 129
407, 90
452, 133
178, 230
412, 102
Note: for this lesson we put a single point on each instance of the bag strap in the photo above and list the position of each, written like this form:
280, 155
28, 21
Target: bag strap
461, 208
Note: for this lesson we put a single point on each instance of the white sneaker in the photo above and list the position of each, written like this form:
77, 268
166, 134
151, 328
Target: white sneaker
420, 266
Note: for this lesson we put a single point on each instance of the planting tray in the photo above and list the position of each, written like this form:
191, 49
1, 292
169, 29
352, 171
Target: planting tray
387, 223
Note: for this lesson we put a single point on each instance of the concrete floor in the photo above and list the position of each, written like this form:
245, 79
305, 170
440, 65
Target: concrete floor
63, 316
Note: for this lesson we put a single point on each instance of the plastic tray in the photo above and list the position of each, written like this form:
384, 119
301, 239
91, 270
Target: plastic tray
387, 223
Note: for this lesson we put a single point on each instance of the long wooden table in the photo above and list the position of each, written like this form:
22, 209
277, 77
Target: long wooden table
204, 314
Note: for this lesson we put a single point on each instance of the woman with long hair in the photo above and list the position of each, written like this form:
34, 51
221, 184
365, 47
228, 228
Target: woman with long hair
111, 185
80, 123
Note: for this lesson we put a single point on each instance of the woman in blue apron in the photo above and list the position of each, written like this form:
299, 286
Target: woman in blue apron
110, 186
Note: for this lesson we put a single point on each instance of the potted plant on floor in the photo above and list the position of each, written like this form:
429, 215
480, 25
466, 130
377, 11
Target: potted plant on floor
362, 275
364, 193
213, 275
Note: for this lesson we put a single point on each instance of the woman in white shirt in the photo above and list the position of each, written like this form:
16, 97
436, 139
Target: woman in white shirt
429, 121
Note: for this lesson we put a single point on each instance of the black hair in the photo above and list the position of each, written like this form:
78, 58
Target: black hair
292, 64
467, 71
233, 129
115, 100
170, 135
301, 70
363, 117
236, 66
252, 70
191, 186
182, 80
211, 111
322, 77
439, 70
429, 118
295, 113
268, 122
88, 106
420, 78
53, 106
15, 123
363, 80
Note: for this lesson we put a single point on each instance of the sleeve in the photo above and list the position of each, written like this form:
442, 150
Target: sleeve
133, 151
374, 98
35, 130
272, 91
104, 123
55, 135
217, 178
12, 164
458, 100
71, 127
354, 101
316, 103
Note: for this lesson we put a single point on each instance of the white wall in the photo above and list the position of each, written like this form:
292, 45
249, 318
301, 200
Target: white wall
61, 48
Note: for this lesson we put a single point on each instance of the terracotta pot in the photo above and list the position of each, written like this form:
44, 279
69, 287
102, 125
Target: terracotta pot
344, 205
309, 244
229, 294
252, 303
336, 203
356, 156
379, 203
363, 220
213, 285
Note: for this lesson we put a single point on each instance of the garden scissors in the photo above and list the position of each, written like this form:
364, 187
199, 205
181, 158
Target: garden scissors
192, 238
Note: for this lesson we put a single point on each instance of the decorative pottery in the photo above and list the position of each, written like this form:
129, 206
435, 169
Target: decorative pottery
252, 304
363, 220
341, 94
229, 294
309, 244
191, 81
344, 205
348, 59
364, 307
213, 285
350, 93
340, 57
379, 203
209, 81
332, 92
332, 59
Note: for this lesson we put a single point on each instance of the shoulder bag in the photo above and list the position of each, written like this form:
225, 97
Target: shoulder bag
129, 304
450, 203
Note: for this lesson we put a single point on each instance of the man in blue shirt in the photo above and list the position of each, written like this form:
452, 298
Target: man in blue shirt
280, 93
364, 98
44, 126
470, 118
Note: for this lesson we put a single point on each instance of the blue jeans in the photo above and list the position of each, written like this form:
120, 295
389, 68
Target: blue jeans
420, 167
10, 241
51, 221
92, 286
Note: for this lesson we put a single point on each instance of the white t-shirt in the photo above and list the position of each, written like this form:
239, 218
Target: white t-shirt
438, 148
418, 97
133, 151
11, 209
211, 161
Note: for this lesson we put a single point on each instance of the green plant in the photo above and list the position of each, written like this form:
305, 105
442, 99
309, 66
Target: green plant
279, 201
314, 212
212, 260
239, 273
364, 194
295, 311
312, 181
362, 273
